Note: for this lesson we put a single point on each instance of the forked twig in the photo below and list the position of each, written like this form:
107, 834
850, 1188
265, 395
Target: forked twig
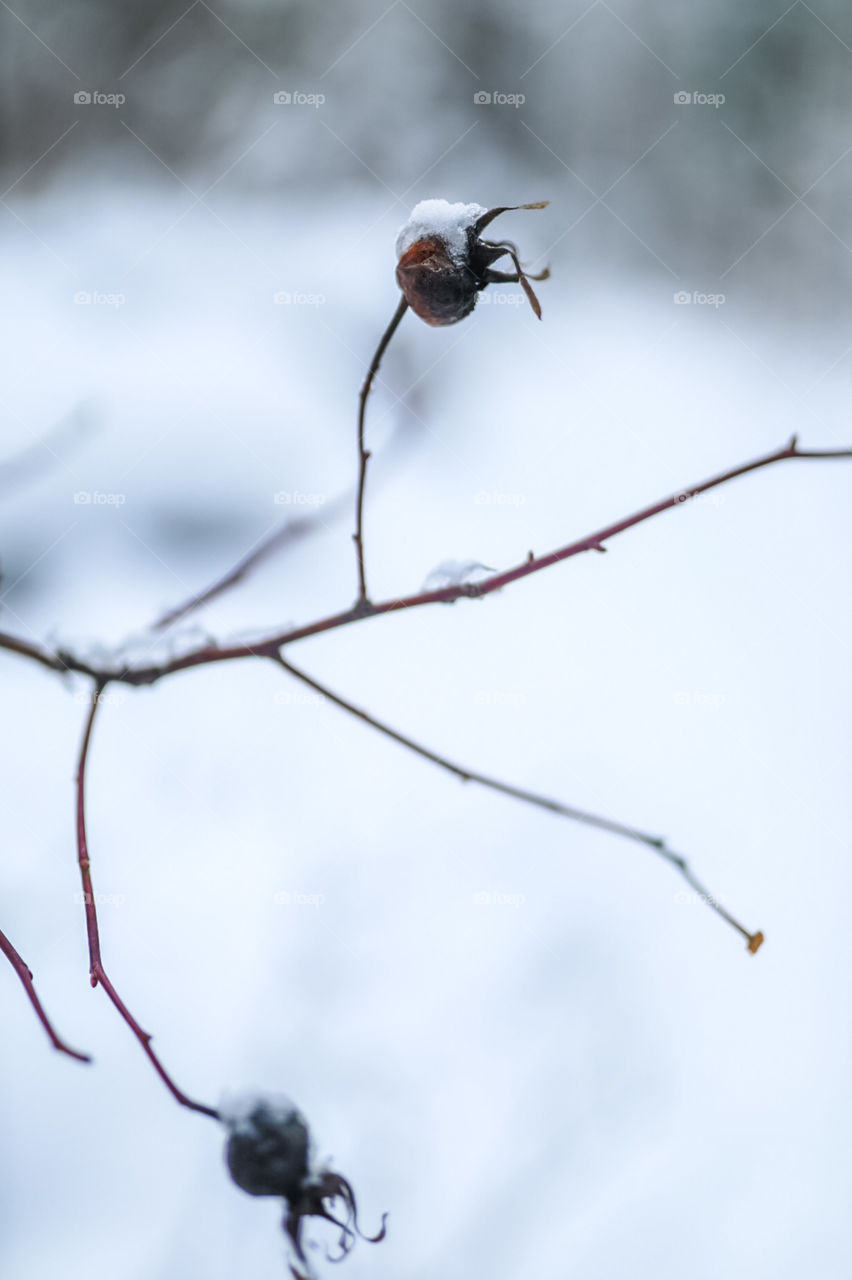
64, 661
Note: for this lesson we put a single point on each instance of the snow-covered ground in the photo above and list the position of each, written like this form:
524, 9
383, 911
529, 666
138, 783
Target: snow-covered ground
519, 1036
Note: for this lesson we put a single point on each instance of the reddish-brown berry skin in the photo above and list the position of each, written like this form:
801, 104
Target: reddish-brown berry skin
442, 288
438, 290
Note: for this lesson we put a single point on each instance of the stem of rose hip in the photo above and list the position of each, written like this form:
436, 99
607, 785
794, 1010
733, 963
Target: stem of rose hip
363, 452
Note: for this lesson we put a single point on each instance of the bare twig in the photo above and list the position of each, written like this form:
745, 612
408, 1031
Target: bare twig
363, 452
97, 973
286, 535
62, 662
14, 644
26, 977
657, 843
269, 646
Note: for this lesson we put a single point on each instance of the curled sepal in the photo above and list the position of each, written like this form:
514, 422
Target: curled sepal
311, 1204
270, 1152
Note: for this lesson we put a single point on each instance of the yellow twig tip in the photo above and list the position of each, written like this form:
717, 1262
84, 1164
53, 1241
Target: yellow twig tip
755, 942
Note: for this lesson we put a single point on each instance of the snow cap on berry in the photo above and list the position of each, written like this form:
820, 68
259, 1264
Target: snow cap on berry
438, 219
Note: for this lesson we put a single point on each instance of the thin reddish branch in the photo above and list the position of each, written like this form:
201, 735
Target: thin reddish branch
23, 972
97, 973
14, 644
657, 843
267, 648
64, 662
363, 452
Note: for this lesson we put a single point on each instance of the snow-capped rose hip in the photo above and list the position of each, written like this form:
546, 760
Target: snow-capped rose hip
443, 264
442, 267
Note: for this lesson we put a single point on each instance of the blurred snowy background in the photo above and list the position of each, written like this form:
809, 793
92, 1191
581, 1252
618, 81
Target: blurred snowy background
583, 1074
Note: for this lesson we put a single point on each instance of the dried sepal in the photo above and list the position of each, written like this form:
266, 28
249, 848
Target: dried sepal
330, 1187
269, 1152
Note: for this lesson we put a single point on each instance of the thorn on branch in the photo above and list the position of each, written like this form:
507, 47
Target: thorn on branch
63, 661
